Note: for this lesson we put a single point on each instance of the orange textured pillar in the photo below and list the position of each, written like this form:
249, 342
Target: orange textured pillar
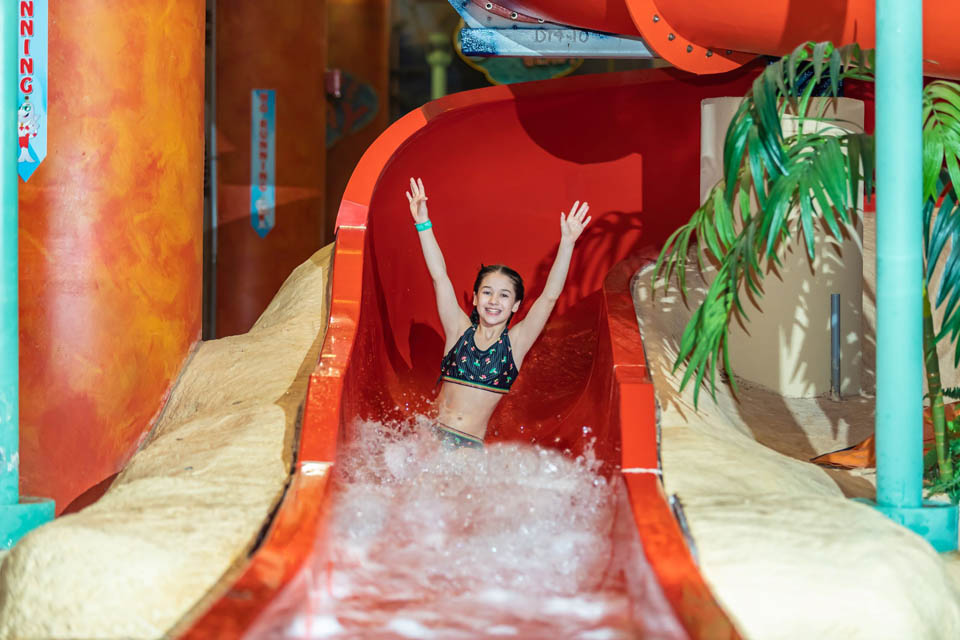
110, 237
363, 111
279, 48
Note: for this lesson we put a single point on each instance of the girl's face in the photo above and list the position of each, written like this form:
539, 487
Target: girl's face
495, 300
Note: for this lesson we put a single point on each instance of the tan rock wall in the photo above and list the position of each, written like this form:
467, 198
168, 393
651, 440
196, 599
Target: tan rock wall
190, 504
786, 554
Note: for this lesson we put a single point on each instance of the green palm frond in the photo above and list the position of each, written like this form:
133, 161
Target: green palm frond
938, 231
941, 134
941, 175
812, 191
756, 130
704, 343
705, 336
798, 181
824, 173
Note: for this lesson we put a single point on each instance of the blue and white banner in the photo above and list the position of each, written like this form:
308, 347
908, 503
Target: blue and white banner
263, 154
32, 99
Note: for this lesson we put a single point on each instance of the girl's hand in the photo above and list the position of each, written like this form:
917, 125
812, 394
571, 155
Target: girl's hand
417, 197
571, 226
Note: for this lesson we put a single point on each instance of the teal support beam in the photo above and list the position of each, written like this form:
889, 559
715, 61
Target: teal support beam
899, 410
17, 516
899, 261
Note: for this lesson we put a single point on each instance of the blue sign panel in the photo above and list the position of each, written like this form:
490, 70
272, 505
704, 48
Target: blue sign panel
32, 99
263, 154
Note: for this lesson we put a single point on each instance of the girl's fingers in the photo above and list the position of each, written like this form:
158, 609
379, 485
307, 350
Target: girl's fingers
587, 221
409, 197
422, 190
413, 187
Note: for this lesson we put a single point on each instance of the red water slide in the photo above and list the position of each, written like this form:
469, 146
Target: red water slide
500, 164
513, 157
702, 36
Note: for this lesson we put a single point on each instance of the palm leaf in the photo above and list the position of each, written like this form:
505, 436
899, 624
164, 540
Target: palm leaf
705, 334
756, 163
734, 145
714, 228
941, 134
821, 50
817, 174
835, 65
868, 147
941, 176
854, 160
936, 232
767, 117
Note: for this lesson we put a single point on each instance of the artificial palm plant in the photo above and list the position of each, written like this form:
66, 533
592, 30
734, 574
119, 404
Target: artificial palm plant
813, 178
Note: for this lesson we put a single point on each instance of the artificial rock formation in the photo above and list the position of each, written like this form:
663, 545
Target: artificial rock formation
785, 550
190, 504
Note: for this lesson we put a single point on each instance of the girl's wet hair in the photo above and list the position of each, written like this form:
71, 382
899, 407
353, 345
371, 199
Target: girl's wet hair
486, 270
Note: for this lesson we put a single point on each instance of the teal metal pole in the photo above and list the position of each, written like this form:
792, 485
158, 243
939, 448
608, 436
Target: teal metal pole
899, 418
899, 404
9, 314
17, 516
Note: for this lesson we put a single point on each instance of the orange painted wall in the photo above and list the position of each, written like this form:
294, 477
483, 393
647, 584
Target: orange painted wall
359, 45
110, 237
263, 45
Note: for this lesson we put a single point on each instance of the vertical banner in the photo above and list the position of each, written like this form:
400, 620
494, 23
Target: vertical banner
32, 90
263, 154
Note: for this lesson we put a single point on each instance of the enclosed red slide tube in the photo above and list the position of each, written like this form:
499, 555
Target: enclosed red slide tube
703, 36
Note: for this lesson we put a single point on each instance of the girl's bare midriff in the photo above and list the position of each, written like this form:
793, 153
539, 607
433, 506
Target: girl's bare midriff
465, 408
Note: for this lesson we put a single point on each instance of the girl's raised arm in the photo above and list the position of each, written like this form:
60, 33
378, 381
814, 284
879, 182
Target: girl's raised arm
452, 317
526, 332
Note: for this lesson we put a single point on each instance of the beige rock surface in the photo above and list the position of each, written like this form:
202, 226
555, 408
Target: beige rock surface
191, 503
786, 553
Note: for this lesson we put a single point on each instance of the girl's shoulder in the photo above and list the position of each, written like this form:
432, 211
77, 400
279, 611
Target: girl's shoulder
467, 334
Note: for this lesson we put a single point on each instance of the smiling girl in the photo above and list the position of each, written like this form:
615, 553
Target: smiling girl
483, 357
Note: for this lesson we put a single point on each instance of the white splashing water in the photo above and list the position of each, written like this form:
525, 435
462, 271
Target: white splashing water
512, 541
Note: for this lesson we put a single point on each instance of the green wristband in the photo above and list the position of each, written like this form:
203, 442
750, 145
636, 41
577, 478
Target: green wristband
423, 226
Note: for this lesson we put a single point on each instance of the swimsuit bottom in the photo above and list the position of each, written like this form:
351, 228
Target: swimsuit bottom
453, 439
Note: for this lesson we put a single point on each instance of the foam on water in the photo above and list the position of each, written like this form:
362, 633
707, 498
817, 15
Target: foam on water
509, 541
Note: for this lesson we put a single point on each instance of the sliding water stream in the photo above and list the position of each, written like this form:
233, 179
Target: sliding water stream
512, 541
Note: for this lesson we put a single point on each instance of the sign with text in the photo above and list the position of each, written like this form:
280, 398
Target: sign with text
32, 89
263, 154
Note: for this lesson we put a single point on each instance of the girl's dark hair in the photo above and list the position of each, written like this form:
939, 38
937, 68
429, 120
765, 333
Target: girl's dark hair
486, 270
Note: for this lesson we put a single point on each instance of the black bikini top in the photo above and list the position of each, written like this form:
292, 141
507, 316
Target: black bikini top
492, 369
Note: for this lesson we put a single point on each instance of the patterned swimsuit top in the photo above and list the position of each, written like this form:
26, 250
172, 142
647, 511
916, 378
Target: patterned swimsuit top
491, 369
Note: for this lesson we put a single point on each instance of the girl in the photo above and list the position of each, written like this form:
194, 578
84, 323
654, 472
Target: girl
483, 357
